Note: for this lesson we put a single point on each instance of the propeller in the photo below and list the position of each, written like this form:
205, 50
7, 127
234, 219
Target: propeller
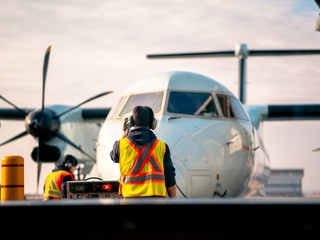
44, 124
241, 52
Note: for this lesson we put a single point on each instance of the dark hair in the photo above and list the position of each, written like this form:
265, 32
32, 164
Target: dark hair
140, 116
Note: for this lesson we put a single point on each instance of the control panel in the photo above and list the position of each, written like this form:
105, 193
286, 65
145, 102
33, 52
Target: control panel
92, 189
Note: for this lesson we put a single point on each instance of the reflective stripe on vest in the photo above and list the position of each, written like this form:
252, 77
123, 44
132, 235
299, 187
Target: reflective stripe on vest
54, 192
141, 168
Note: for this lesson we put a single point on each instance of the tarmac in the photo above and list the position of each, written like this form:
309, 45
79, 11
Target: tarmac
102, 218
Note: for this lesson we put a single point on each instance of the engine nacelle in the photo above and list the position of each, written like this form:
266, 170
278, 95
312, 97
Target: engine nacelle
47, 154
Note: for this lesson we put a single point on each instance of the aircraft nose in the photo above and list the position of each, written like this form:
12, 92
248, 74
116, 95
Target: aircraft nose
195, 166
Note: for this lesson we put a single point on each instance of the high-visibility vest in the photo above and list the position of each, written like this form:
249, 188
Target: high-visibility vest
52, 187
141, 169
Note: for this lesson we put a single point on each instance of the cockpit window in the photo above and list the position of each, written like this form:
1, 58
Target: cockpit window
201, 104
152, 100
231, 107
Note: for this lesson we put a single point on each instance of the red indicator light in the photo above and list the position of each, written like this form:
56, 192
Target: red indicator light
107, 187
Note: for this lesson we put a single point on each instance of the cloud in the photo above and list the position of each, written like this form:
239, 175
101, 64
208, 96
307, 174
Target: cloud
102, 45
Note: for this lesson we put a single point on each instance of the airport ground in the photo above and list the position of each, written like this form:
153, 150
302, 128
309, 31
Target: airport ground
250, 218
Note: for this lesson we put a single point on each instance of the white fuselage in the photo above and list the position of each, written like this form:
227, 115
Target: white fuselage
212, 144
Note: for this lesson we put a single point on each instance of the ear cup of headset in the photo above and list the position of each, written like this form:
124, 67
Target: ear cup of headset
131, 122
68, 164
152, 120
153, 124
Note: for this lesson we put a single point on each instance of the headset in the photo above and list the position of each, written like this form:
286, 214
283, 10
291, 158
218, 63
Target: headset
70, 161
129, 122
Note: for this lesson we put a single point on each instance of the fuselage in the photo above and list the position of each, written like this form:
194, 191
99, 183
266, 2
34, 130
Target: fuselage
214, 146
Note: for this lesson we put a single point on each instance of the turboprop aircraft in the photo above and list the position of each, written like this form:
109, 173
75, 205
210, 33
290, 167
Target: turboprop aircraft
213, 136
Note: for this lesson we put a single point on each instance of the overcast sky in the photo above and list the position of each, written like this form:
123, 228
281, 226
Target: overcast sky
100, 45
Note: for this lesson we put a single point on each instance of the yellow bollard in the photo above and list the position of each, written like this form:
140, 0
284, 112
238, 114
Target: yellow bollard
12, 178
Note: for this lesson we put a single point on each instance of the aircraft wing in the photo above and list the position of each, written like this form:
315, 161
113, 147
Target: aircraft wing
95, 114
13, 114
92, 114
82, 120
287, 112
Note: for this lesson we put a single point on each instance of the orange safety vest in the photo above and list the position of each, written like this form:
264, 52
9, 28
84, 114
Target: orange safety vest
52, 186
141, 169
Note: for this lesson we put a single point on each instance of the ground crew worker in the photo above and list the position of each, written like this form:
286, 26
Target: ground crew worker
146, 168
55, 186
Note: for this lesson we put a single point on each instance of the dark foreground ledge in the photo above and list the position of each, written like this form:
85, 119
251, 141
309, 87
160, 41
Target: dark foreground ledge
163, 218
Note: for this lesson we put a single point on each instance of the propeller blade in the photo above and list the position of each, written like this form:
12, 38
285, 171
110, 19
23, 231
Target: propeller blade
44, 77
192, 54
65, 139
254, 53
88, 100
316, 149
15, 138
38, 167
10, 103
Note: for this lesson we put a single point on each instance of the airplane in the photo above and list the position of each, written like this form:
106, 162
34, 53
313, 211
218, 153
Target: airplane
213, 136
